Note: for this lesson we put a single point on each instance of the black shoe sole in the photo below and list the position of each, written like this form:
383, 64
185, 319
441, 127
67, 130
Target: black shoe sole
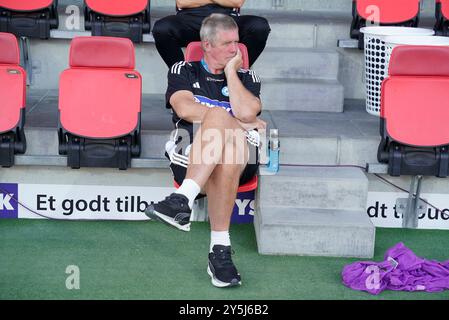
220, 284
153, 214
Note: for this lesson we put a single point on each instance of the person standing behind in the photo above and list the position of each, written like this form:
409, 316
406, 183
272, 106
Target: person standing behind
174, 32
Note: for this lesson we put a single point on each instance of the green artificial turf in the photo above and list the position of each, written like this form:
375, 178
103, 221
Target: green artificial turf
148, 260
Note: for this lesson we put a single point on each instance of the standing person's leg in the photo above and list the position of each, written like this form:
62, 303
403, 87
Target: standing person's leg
172, 33
253, 32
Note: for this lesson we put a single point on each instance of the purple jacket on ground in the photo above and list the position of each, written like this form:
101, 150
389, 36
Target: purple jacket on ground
401, 270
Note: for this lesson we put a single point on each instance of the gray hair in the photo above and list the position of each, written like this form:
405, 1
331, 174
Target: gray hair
213, 23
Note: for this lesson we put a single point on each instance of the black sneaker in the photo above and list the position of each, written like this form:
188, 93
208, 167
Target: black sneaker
174, 211
221, 269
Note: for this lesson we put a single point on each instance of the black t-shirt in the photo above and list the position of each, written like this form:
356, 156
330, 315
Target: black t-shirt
208, 89
206, 10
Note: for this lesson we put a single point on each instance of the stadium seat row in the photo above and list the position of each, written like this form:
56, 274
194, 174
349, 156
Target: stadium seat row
115, 18
131, 19
13, 100
99, 101
395, 13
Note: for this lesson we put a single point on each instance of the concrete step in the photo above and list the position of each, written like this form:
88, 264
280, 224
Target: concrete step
315, 232
318, 138
301, 63
329, 150
327, 5
294, 63
311, 150
44, 142
323, 188
314, 211
352, 73
303, 150
297, 24
150, 177
328, 138
428, 6
307, 29
46, 72
302, 95
294, 30
294, 23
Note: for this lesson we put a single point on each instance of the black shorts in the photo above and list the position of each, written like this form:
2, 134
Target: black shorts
179, 172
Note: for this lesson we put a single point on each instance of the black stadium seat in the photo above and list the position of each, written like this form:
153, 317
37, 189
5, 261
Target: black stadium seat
442, 18
30, 18
100, 99
118, 18
12, 103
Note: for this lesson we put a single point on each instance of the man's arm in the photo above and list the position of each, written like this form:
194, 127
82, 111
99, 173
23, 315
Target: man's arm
185, 4
185, 106
245, 105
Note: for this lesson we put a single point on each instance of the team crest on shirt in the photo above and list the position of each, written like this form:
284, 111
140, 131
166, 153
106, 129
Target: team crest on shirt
225, 91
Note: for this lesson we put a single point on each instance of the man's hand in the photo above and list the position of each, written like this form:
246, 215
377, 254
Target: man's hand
234, 64
186, 4
258, 124
230, 3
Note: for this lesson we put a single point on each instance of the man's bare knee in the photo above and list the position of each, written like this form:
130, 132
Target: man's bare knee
235, 149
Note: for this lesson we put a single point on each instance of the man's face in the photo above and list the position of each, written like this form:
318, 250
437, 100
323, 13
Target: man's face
225, 46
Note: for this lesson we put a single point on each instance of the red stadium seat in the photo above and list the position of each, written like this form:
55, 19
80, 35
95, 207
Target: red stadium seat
383, 12
12, 105
442, 18
249, 186
194, 52
100, 103
31, 18
414, 112
118, 18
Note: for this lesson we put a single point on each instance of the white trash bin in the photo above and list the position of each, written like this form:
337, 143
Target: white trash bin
377, 58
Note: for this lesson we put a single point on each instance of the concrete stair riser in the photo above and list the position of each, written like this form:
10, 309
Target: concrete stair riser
327, 238
302, 95
324, 188
293, 63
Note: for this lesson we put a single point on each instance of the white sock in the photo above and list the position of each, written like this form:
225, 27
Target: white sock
219, 237
190, 189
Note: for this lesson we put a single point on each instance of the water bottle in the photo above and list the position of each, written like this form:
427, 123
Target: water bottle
273, 151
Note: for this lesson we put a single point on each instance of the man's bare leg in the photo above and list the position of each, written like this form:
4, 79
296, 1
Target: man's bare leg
221, 189
217, 124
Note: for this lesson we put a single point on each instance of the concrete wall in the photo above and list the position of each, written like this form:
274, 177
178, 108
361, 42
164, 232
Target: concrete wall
295, 24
